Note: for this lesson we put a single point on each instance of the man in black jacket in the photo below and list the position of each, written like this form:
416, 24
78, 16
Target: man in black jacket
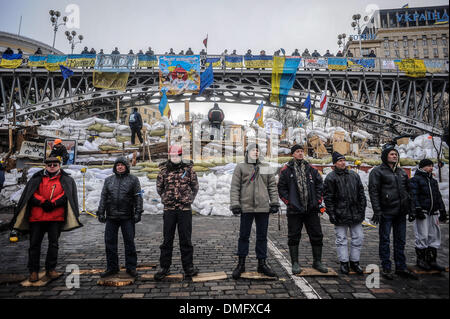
389, 192
300, 188
121, 206
135, 122
60, 150
346, 206
428, 202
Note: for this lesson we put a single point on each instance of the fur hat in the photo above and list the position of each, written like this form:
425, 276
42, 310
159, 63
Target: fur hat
296, 147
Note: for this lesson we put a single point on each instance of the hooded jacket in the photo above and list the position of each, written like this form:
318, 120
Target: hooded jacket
425, 193
177, 184
121, 196
389, 188
343, 193
290, 194
22, 213
253, 187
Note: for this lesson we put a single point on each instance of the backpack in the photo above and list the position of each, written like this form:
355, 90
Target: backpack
132, 118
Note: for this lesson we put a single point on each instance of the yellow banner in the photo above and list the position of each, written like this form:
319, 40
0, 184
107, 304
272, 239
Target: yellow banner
148, 64
11, 64
80, 62
413, 67
111, 80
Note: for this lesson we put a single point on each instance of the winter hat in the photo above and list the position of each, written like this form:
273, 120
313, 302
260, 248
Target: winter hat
252, 146
52, 159
425, 162
296, 147
123, 160
175, 150
337, 156
386, 150
57, 141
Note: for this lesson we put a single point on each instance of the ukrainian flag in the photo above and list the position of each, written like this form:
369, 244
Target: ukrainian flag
216, 63
258, 61
11, 61
164, 108
148, 61
54, 61
259, 115
406, 6
283, 76
37, 61
233, 61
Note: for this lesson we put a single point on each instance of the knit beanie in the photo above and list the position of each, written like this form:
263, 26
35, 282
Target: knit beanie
296, 147
425, 162
336, 157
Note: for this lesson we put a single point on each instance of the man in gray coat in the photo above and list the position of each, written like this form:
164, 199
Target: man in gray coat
254, 196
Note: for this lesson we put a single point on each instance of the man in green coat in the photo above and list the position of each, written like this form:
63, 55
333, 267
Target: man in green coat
254, 196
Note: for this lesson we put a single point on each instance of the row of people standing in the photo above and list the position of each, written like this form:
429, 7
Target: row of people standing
49, 204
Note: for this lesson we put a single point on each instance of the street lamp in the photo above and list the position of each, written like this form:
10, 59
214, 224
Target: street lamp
54, 16
71, 38
341, 38
355, 25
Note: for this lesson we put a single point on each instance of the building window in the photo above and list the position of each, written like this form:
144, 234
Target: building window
406, 53
414, 43
435, 52
425, 52
444, 40
416, 53
396, 44
397, 53
424, 41
405, 42
386, 43
445, 52
387, 53
433, 42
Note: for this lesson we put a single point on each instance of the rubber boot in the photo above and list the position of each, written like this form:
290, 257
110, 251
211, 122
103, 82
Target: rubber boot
344, 267
317, 259
422, 259
431, 259
263, 268
354, 265
240, 268
293, 251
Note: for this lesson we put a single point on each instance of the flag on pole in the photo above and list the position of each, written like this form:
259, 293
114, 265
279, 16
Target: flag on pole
164, 108
66, 72
259, 115
323, 102
307, 104
206, 78
205, 41
406, 6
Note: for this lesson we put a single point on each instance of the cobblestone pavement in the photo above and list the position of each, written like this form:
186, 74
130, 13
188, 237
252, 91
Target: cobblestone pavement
215, 244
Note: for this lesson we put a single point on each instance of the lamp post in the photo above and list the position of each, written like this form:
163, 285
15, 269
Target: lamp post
54, 16
355, 25
71, 38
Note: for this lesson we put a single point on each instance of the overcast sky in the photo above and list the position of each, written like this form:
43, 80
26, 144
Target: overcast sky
180, 24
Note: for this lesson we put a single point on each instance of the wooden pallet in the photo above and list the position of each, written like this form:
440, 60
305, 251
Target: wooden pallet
419, 271
307, 272
43, 280
118, 280
256, 276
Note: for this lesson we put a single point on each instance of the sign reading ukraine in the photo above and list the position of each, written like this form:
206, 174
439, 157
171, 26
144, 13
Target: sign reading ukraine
258, 61
179, 74
81, 60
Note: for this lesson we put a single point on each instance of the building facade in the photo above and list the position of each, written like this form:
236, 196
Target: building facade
420, 33
150, 114
27, 45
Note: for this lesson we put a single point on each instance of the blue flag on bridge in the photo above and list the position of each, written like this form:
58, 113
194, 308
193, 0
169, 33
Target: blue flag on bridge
206, 78
66, 72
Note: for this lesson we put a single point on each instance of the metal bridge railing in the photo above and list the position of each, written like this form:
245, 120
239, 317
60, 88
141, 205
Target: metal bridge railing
137, 62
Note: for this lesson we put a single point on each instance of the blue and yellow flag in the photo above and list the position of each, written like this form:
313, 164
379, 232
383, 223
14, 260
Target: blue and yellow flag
216, 63
337, 63
258, 61
233, 61
37, 61
283, 76
54, 61
149, 61
11, 61
110, 80
259, 115
307, 105
405, 6
81, 60
164, 108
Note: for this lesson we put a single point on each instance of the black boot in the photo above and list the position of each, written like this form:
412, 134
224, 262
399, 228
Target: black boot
191, 271
240, 268
108, 273
354, 265
422, 259
293, 251
344, 268
263, 268
406, 273
162, 273
317, 259
431, 254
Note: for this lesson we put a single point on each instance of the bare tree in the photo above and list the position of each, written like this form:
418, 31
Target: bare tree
288, 118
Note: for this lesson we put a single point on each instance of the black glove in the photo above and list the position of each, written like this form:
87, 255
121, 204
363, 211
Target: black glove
236, 211
332, 218
443, 216
101, 218
420, 214
411, 217
137, 218
274, 209
375, 219
61, 201
48, 206
34, 201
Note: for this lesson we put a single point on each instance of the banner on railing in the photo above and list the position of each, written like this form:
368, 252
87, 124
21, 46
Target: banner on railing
388, 65
115, 63
361, 63
110, 80
233, 61
434, 66
216, 62
149, 61
11, 61
258, 61
413, 67
54, 61
81, 60
179, 74
319, 63
337, 63
37, 61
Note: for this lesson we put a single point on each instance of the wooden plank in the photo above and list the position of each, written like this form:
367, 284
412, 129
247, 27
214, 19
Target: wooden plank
256, 276
174, 277
118, 280
415, 269
43, 280
306, 272
208, 276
